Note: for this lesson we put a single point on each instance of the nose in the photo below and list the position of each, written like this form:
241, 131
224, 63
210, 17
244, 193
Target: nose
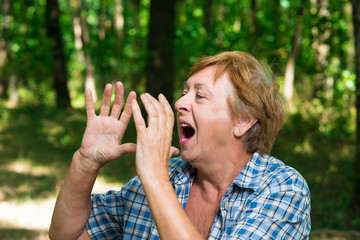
183, 104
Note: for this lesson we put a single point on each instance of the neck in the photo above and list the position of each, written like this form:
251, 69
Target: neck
215, 177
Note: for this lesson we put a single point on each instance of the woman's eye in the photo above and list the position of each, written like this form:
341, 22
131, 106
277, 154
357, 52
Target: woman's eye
199, 96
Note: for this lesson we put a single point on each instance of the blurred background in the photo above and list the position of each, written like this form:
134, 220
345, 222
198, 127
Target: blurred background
51, 50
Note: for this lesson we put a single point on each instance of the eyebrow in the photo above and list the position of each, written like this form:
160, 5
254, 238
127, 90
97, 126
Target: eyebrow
198, 86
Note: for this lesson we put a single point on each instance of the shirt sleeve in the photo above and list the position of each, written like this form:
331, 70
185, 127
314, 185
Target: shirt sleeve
104, 221
281, 210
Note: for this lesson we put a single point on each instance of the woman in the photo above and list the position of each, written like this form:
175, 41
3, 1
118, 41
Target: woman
223, 186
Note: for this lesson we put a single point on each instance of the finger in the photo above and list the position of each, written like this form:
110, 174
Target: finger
168, 111
126, 115
118, 102
89, 104
150, 108
159, 107
127, 148
138, 119
105, 107
159, 112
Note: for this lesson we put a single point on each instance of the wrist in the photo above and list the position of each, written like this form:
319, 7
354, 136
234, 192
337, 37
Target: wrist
154, 177
84, 164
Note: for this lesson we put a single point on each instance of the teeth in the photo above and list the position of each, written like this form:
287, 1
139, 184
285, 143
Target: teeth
184, 125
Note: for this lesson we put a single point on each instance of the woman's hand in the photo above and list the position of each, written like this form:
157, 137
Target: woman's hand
153, 147
102, 140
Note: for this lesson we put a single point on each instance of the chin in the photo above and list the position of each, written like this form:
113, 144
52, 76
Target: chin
186, 157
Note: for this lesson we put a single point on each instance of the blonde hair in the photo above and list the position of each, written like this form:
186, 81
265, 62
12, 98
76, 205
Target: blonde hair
256, 95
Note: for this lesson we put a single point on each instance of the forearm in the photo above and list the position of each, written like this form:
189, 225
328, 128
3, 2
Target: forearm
73, 204
170, 218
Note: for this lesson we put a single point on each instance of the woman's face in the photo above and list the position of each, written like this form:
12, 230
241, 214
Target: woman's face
205, 122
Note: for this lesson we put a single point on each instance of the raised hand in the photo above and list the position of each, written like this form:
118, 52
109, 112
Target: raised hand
102, 140
153, 148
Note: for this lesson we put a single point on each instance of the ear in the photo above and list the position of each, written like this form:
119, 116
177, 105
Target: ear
243, 125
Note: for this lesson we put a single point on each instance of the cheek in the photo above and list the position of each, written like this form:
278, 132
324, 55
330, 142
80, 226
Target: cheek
213, 129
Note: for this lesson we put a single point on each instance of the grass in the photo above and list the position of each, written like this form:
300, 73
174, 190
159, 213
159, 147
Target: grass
45, 137
22, 234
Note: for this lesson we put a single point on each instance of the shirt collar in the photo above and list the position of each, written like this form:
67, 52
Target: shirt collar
248, 178
183, 172
252, 173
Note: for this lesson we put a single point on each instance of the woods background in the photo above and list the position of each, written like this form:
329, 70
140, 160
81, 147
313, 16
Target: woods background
51, 50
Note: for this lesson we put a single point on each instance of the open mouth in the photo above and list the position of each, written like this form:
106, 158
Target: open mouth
187, 132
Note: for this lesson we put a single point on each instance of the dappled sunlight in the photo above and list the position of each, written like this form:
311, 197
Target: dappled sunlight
101, 186
35, 215
56, 133
26, 166
303, 147
36, 147
22, 180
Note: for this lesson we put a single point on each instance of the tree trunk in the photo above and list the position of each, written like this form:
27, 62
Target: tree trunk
254, 22
4, 46
321, 34
119, 19
89, 67
343, 54
290, 65
356, 22
160, 56
82, 40
277, 33
14, 97
208, 15
59, 69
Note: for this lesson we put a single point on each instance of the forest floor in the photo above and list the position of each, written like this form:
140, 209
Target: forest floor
36, 147
31, 219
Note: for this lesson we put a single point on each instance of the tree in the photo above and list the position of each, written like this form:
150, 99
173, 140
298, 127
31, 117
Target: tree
290, 65
160, 56
208, 16
322, 34
254, 28
4, 47
356, 23
59, 70
82, 41
8, 79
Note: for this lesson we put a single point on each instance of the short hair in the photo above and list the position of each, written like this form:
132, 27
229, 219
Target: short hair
256, 94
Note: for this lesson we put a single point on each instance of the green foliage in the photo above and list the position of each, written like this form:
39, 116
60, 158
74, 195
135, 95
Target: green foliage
36, 147
319, 142
318, 139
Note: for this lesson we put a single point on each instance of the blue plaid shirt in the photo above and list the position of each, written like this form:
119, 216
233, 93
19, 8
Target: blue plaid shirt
267, 200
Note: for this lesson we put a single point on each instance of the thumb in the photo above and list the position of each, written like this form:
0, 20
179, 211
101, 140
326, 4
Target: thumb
174, 151
127, 148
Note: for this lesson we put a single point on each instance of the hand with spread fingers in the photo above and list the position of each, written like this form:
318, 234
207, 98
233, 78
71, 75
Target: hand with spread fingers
153, 147
104, 132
